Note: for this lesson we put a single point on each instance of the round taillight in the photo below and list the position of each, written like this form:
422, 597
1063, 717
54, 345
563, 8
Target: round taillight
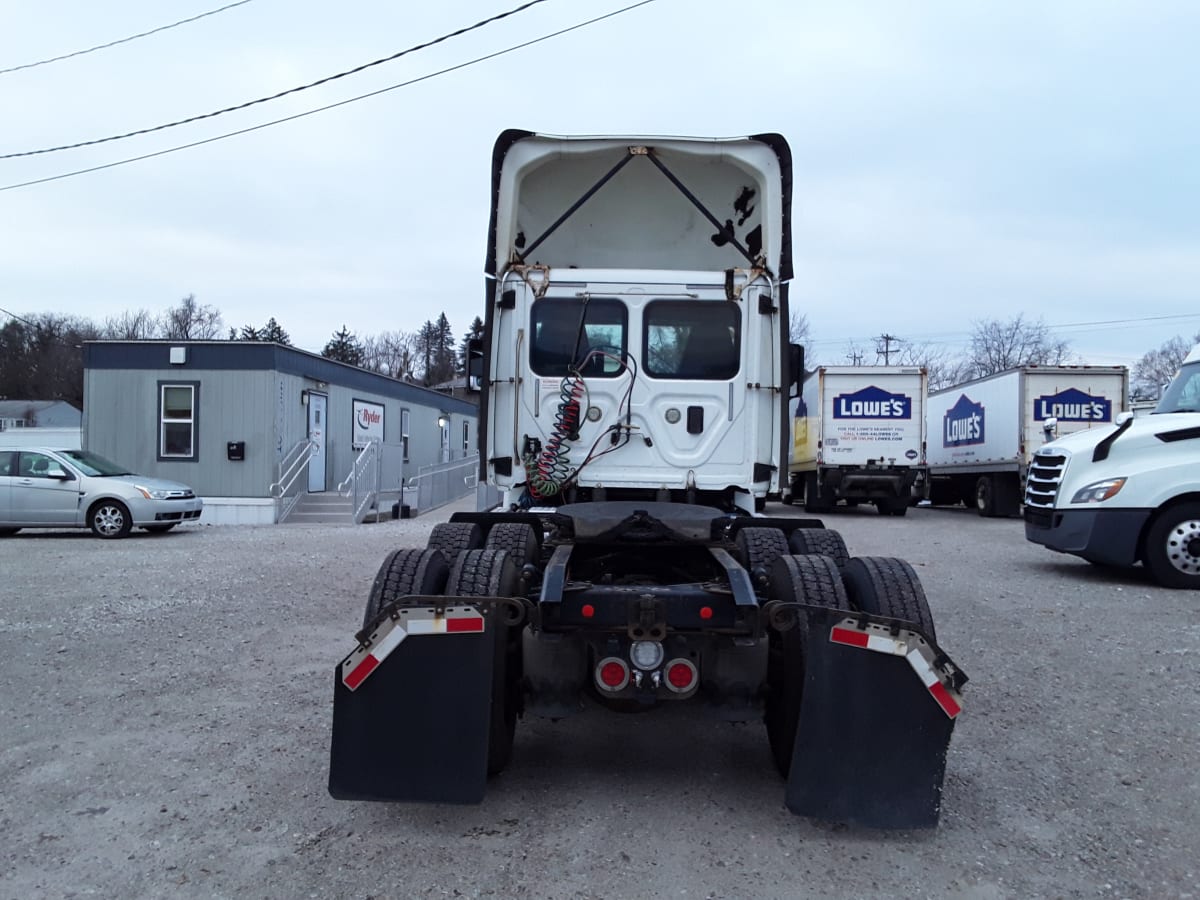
681, 675
706, 612
612, 674
588, 610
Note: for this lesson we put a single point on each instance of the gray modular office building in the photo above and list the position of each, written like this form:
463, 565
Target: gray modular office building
223, 416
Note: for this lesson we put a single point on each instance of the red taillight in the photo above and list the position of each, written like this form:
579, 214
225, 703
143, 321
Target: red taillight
706, 612
587, 610
612, 674
681, 675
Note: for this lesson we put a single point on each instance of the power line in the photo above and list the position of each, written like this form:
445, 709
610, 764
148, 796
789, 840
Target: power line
1083, 326
289, 91
126, 40
220, 137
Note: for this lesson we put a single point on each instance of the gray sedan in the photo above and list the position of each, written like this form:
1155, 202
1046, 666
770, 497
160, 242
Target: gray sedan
42, 488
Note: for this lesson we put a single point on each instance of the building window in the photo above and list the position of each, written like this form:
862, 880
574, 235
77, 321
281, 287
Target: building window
178, 420
466, 438
404, 432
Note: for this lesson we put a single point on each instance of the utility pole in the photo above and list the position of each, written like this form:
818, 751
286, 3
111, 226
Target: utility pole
855, 357
886, 350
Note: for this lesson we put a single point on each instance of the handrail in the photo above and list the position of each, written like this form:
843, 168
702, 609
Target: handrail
368, 456
290, 469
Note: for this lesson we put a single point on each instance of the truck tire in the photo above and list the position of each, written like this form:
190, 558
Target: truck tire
758, 548
892, 506
406, 572
813, 501
812, 580
1172, 548
453, 538
985, 496
517, 538
494, 573
819, 542
886, 586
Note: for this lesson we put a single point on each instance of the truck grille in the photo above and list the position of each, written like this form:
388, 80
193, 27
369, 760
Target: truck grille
1045, 474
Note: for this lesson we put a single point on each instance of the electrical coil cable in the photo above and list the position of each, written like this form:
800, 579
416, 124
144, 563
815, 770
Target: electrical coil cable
547, 471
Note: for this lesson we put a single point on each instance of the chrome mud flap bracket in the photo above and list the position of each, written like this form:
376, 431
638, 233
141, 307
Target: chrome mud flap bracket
412, 705
879, 705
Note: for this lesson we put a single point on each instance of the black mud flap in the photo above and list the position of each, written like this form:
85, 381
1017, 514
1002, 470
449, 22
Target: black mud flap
873, 733
415, 728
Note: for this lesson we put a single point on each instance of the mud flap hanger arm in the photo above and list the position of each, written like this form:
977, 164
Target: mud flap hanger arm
647, 152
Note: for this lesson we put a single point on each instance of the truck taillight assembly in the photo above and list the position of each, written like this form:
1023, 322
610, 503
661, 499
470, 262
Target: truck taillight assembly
612, 674
682, 676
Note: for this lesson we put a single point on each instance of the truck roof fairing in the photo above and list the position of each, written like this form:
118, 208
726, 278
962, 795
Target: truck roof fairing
634, 202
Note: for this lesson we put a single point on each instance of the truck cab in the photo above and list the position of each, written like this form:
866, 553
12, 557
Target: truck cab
1127, 493
636, 328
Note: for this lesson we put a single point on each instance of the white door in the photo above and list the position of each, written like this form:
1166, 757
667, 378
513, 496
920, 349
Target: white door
445, 424
316, 431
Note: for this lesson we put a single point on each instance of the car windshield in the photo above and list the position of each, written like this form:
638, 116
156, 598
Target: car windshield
1182, 394
94, 464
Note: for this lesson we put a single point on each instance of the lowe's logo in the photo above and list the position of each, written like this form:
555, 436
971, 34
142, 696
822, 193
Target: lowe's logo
872, 403
963, 423
1072, 405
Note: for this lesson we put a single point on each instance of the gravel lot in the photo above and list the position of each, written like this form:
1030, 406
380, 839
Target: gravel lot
166, 712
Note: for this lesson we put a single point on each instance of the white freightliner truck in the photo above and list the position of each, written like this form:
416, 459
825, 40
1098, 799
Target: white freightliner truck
1127, 493
858, 436
636, 379
982, 434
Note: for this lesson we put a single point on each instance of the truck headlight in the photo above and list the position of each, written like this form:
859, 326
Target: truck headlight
150, 494
1098, 491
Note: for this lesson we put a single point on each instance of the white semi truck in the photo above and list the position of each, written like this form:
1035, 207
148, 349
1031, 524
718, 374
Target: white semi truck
983, 433
636, 378
1127, 493
858, 436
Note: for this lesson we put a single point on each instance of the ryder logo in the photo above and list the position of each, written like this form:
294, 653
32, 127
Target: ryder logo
368, 417
1072, 405
872, 403
962, 426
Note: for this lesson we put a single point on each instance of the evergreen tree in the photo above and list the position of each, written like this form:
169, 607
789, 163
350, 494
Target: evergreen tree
274, 332
476, 331
344, 347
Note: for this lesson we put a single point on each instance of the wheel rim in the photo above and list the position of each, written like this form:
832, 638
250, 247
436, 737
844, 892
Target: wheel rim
1183, 547
109, 520
981, 496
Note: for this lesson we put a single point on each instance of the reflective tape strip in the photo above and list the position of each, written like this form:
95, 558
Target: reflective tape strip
391, 632
915, 653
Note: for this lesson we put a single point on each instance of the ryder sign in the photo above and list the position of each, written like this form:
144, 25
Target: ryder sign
368, 423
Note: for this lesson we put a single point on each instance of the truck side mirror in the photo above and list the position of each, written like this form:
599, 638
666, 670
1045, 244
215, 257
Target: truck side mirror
795, 365
475, 357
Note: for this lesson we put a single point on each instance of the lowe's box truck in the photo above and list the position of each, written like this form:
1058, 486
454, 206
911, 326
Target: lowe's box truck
858, 436
983, 434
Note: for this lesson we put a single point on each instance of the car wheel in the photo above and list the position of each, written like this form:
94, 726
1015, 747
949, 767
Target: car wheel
1172, 551
110, 519
160, 529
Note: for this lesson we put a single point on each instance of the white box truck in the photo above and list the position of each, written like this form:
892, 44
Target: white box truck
983, 433
1117, 496
858, 436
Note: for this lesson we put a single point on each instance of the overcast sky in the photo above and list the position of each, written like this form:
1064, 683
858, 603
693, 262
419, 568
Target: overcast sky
954, 161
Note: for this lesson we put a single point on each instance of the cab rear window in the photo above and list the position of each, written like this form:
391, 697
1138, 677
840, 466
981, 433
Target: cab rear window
692, 339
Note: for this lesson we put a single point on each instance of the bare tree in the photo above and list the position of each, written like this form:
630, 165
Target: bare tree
998, 345
800, 332
191, 321
1158, 366
135, 325
391, 353
943, 366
